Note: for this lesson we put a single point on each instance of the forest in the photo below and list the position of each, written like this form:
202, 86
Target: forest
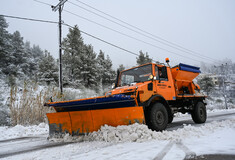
24, 68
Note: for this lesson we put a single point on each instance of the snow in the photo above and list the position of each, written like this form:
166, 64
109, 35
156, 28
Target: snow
135, 141
141, 133
221, 141
23, 131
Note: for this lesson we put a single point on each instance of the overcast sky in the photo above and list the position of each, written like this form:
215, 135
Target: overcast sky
203, 26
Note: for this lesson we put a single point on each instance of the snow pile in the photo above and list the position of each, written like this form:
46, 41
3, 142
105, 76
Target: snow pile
141, 133
22, 131
220, 110
218, 102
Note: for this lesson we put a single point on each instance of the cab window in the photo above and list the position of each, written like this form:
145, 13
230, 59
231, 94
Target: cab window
136, 75
161, 73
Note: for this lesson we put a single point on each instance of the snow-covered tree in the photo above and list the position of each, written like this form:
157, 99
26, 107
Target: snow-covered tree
89, 68
17, 54
5, 46
36, 54
143, 58
109, 74
206, 84
73, 49
48, 70
104, 66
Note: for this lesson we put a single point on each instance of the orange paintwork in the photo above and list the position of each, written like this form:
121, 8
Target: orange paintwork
62, 119
183, 79
80, 122
183, 75
170, 88
166, 88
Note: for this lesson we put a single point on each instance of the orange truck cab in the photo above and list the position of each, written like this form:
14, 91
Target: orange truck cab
150, 94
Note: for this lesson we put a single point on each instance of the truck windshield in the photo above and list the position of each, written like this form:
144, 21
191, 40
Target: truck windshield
135, 75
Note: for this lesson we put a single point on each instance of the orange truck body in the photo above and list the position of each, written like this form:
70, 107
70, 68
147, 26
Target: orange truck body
144, 94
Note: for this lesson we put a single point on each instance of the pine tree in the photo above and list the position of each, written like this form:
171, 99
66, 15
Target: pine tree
5, 46
89, 68
28, 67
48, 70
81, 67
37, 55
106, 73
17, 54
100, 67
206, 84
109, 74
73, 49
143, 58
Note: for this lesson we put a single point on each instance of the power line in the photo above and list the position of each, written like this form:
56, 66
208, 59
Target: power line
111, 44
129, 36
168, 43
43, 3
103, 41
45, 21
123, 33
29, 19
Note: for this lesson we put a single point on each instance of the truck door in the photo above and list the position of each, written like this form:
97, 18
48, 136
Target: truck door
163, 82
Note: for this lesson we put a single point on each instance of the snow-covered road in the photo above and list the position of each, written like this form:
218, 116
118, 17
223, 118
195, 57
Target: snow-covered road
182, 139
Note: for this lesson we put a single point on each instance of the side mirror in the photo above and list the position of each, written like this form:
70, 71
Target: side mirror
116, 83
151, 77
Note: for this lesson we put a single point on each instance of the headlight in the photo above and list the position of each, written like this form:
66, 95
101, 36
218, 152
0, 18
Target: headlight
113, 85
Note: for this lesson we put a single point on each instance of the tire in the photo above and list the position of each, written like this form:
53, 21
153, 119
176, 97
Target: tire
158, 117
170, 118
199, 114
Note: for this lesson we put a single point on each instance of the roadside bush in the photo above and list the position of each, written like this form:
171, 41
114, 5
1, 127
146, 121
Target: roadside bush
27, 105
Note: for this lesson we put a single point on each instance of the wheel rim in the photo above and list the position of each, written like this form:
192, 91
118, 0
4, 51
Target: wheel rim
159, 118
201, 113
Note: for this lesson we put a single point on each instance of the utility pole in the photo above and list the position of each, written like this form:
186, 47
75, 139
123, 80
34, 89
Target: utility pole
55, 8
224, 75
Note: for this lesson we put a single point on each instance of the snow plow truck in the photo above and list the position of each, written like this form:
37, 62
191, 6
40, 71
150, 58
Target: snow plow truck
148, 94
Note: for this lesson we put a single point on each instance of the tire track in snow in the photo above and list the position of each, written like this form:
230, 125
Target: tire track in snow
180, 145
35, 148
179, 124
16, 139
173, 126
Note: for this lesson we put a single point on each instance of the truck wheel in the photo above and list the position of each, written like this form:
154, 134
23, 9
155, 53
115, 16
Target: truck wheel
158, 117
199, 114
170, 118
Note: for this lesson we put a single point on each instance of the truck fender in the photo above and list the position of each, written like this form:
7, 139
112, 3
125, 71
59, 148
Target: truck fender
161, 99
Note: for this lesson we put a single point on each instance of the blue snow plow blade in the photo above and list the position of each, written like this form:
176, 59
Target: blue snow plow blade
115, 101
185, 67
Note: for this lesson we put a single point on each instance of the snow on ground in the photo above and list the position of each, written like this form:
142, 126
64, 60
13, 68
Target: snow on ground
136, 142
141, 133
17, 131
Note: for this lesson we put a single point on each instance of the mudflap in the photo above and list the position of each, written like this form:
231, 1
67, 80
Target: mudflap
83, 122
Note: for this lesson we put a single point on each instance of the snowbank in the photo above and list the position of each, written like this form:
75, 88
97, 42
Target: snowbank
22, 131
140, 132
132, 133
128, 142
